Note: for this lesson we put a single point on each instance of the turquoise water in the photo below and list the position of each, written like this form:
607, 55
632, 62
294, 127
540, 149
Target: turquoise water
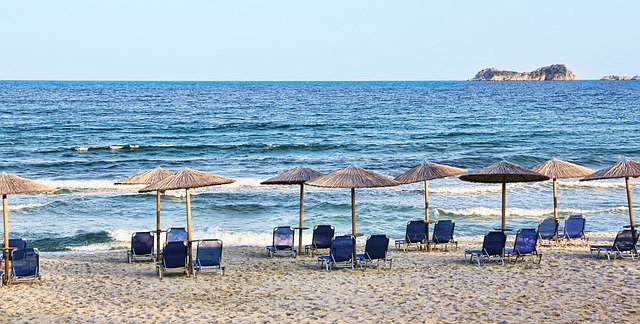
82, 136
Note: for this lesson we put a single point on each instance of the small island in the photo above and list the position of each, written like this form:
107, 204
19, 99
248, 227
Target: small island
555, 72
619, 77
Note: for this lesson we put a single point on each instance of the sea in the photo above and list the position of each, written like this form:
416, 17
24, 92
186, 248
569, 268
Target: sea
82, 136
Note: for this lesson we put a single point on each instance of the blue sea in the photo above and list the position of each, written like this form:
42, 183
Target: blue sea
81, 137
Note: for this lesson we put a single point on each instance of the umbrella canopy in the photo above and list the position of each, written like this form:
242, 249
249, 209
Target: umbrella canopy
297, 175
559, 169
622, 169
147, 178
352, 177
11, 184
188, 179
503, 172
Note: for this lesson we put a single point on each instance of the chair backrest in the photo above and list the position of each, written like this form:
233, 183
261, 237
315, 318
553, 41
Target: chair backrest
142, 243
174, 254
376, 247
176, 234
526, 240
493, 243
25, 262
548, 228
342, 248
574, 226
625, 241
322, 235
416, 231
209, 252
18, 243
283, 237
443, 231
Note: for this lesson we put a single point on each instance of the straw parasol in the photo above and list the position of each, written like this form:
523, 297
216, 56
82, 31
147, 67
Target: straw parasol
297, 175
147, 178
622, 169
352, 177
11, 184
559, 169
503, 172
188, 179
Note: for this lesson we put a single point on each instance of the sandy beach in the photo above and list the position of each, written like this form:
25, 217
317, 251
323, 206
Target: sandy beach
569, 286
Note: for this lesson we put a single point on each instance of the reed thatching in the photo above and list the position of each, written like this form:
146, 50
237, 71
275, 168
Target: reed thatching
146, 177
503, 172
429, 171
621, 169
297, 175
559, 169
352, 177
11, 184
187, 179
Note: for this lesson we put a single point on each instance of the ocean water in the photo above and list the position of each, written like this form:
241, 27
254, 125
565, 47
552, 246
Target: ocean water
82, 136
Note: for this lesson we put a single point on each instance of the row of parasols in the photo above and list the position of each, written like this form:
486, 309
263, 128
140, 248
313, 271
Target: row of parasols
352, 177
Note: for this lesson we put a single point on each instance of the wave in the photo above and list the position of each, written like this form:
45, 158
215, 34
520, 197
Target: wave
106, 147
511, 212
98, 185
229, 238
26, 206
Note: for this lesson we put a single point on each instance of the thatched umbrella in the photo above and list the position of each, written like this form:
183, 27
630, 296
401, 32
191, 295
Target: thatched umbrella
559, 169
188, 179
622, 169
428, 171
352, 177
147, 178
11, 184
297, 175
503, 173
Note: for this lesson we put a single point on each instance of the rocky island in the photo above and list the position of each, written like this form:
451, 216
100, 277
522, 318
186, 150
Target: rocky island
556, 72
619, 77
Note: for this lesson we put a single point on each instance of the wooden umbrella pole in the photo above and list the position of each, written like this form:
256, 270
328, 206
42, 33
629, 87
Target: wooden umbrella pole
504, 206
426, 213
301, 218
353, 218
158, 228
5, 216
633, 225
189, 231
555, 199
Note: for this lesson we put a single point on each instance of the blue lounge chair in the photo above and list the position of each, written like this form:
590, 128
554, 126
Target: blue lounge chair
283, 238
415, 234
623, 244
17, 244
525, 245
376, 249
321, 239
548, 230
443, 234
208, 255
176, 234
25, 265
340, 253
574, 227
174, 257
492, 248
141, 247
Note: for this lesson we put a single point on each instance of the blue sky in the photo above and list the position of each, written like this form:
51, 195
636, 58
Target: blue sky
312, 40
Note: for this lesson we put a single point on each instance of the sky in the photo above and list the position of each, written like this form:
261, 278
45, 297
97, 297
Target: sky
298, 40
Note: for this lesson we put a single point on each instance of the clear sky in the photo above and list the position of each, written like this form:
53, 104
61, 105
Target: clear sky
313, 40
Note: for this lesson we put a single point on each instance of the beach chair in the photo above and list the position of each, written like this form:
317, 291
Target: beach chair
176, 234
548, 230
141, 247
321, 239
574, 228
340, 253
376, 249
25, 265
208, 255
525, 245
17, 244
283, 238
415, 234
624, 243
443, 234
174, 258
492, 248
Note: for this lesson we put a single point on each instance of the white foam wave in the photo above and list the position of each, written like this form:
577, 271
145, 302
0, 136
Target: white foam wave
81, 149
115, 147
25, 206
88, 185
465, 190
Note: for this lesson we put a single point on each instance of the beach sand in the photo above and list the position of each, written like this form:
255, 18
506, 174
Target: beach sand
569, 286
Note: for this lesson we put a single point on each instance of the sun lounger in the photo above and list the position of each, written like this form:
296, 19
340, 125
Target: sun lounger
174, 258
176, 234
141, 247
376, 249
208, 255
492, 249
574, 228
17, 244
525, 245
25, 265
283, 238
548, 230
321, 239
415, 234
443, 234
340, 253
624, 244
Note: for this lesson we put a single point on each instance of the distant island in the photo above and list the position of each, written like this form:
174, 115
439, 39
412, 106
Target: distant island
555, 72
619, 77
